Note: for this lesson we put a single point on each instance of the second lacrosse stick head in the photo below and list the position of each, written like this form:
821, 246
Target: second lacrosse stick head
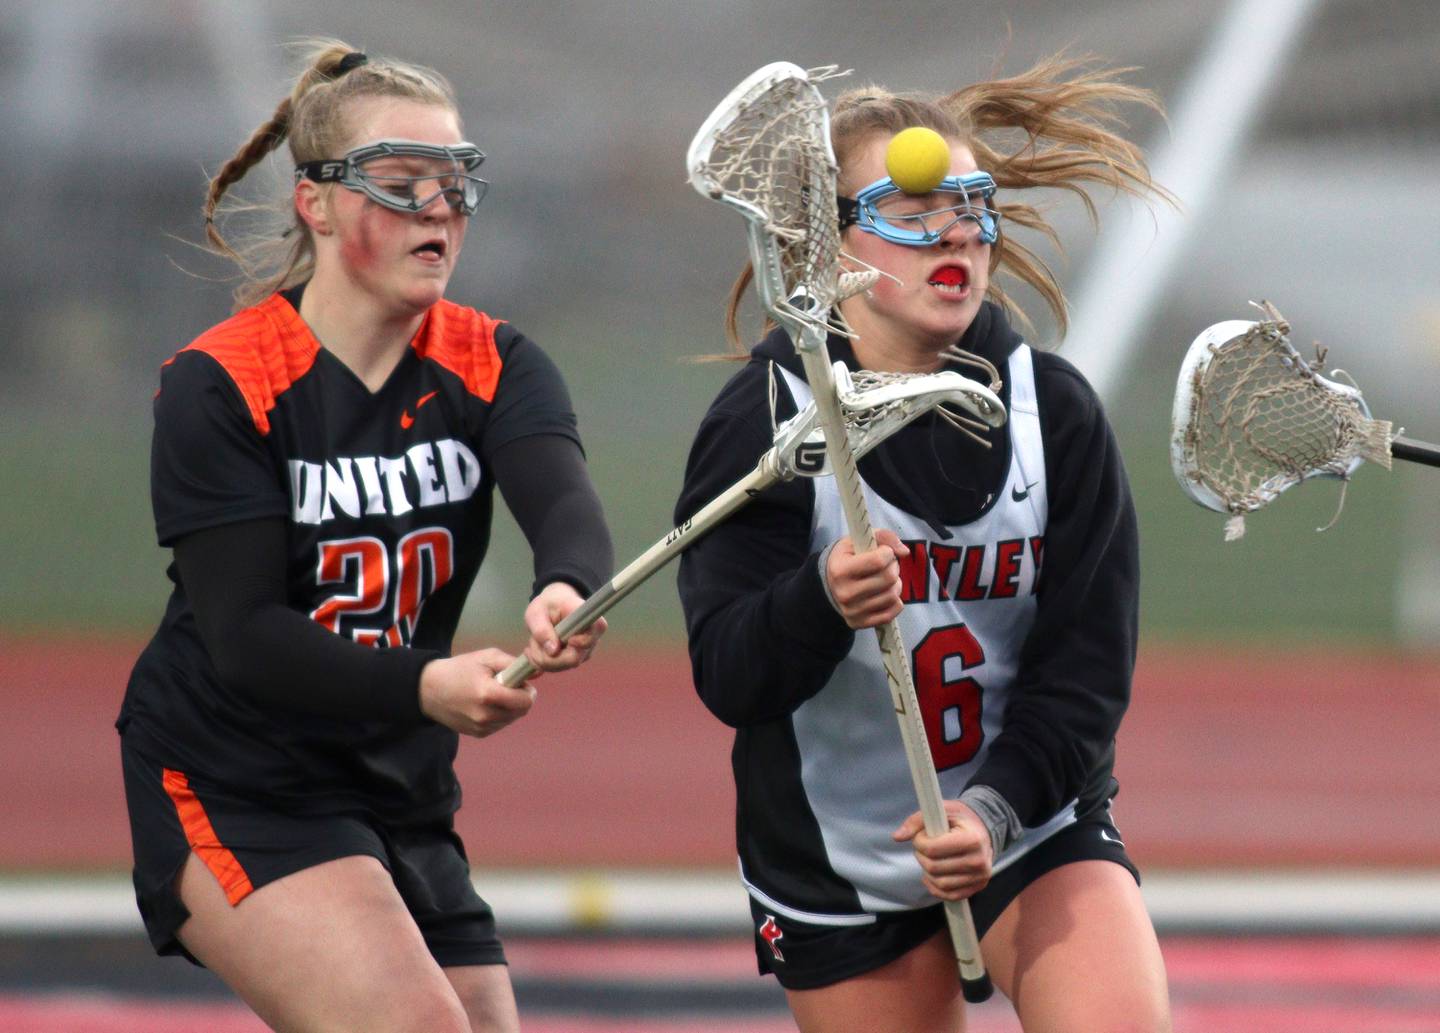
1252, 418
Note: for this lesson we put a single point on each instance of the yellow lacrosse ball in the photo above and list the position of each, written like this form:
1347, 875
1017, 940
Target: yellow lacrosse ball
917, 159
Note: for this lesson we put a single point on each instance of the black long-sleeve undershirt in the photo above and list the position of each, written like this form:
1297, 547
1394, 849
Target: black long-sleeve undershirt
546, 488
764, 637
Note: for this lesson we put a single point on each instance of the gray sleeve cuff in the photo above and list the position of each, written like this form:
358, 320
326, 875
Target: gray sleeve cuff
822, 564
999, 817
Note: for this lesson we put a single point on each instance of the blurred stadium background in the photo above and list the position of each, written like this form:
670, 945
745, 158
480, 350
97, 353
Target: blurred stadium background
1289, 697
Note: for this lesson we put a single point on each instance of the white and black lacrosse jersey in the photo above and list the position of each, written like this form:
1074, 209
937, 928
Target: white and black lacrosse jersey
1022, 671
969, 606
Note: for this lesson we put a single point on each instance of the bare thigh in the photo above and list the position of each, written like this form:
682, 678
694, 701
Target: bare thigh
1076, 951
328, 948
918, 992
488, 997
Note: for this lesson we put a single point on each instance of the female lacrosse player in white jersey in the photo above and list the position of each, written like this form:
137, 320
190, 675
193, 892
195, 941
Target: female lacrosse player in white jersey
324, 467
1012, 569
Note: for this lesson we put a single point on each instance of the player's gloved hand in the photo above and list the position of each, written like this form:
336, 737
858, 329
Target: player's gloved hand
462, 694
545, 650
866, 586
954, 865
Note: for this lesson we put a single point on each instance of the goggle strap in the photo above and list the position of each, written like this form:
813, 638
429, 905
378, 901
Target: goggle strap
327, 171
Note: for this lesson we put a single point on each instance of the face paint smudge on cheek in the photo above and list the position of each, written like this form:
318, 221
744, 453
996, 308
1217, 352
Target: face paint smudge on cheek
361, 248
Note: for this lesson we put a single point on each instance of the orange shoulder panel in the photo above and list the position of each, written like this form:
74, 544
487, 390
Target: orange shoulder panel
265, 349
463, 341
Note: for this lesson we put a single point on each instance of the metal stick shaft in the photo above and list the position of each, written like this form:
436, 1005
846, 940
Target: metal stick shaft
639, 570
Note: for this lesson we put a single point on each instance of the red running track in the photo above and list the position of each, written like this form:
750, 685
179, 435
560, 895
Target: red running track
1226, 758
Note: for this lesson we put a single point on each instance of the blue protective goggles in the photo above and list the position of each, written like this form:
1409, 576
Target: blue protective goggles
889, 213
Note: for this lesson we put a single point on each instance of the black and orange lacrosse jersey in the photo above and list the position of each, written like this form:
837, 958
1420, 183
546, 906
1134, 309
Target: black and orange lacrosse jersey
388, 497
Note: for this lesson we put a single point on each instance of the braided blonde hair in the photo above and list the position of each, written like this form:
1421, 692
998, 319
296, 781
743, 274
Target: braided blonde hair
1055, 125
312, 121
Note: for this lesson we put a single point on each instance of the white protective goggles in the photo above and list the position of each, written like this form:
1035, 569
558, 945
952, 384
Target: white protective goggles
885, 210
410, 175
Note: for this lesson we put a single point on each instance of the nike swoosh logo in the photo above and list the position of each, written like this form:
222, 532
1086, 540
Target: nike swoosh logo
1021, 496
406, 420
1105, 835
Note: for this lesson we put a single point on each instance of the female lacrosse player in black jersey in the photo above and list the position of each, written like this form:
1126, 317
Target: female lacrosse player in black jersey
1012, 570
324, 466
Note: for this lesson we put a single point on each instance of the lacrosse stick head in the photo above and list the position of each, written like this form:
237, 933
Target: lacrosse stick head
875, 405
874, 401
765, 151
1252, 418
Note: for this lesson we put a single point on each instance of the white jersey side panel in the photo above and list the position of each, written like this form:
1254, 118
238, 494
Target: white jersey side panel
970, 603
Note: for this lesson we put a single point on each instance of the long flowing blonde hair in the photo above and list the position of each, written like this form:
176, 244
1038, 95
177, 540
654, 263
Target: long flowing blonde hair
312, 121
1056, 125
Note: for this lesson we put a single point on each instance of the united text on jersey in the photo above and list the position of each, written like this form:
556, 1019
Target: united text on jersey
429, 474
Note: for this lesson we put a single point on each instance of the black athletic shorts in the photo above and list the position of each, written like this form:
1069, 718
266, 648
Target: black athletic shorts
804, 956
247, 845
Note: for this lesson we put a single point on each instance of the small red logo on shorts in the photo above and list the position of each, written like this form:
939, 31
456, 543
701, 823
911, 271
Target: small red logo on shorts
772, 934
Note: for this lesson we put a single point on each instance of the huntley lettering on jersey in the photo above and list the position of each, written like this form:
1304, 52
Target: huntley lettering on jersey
936, 572
428, 474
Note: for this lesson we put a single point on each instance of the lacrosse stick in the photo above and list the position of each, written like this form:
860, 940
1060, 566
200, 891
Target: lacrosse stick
874, 406
765, 151
1253, 418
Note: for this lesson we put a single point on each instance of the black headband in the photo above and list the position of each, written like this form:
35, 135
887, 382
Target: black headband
350, 62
